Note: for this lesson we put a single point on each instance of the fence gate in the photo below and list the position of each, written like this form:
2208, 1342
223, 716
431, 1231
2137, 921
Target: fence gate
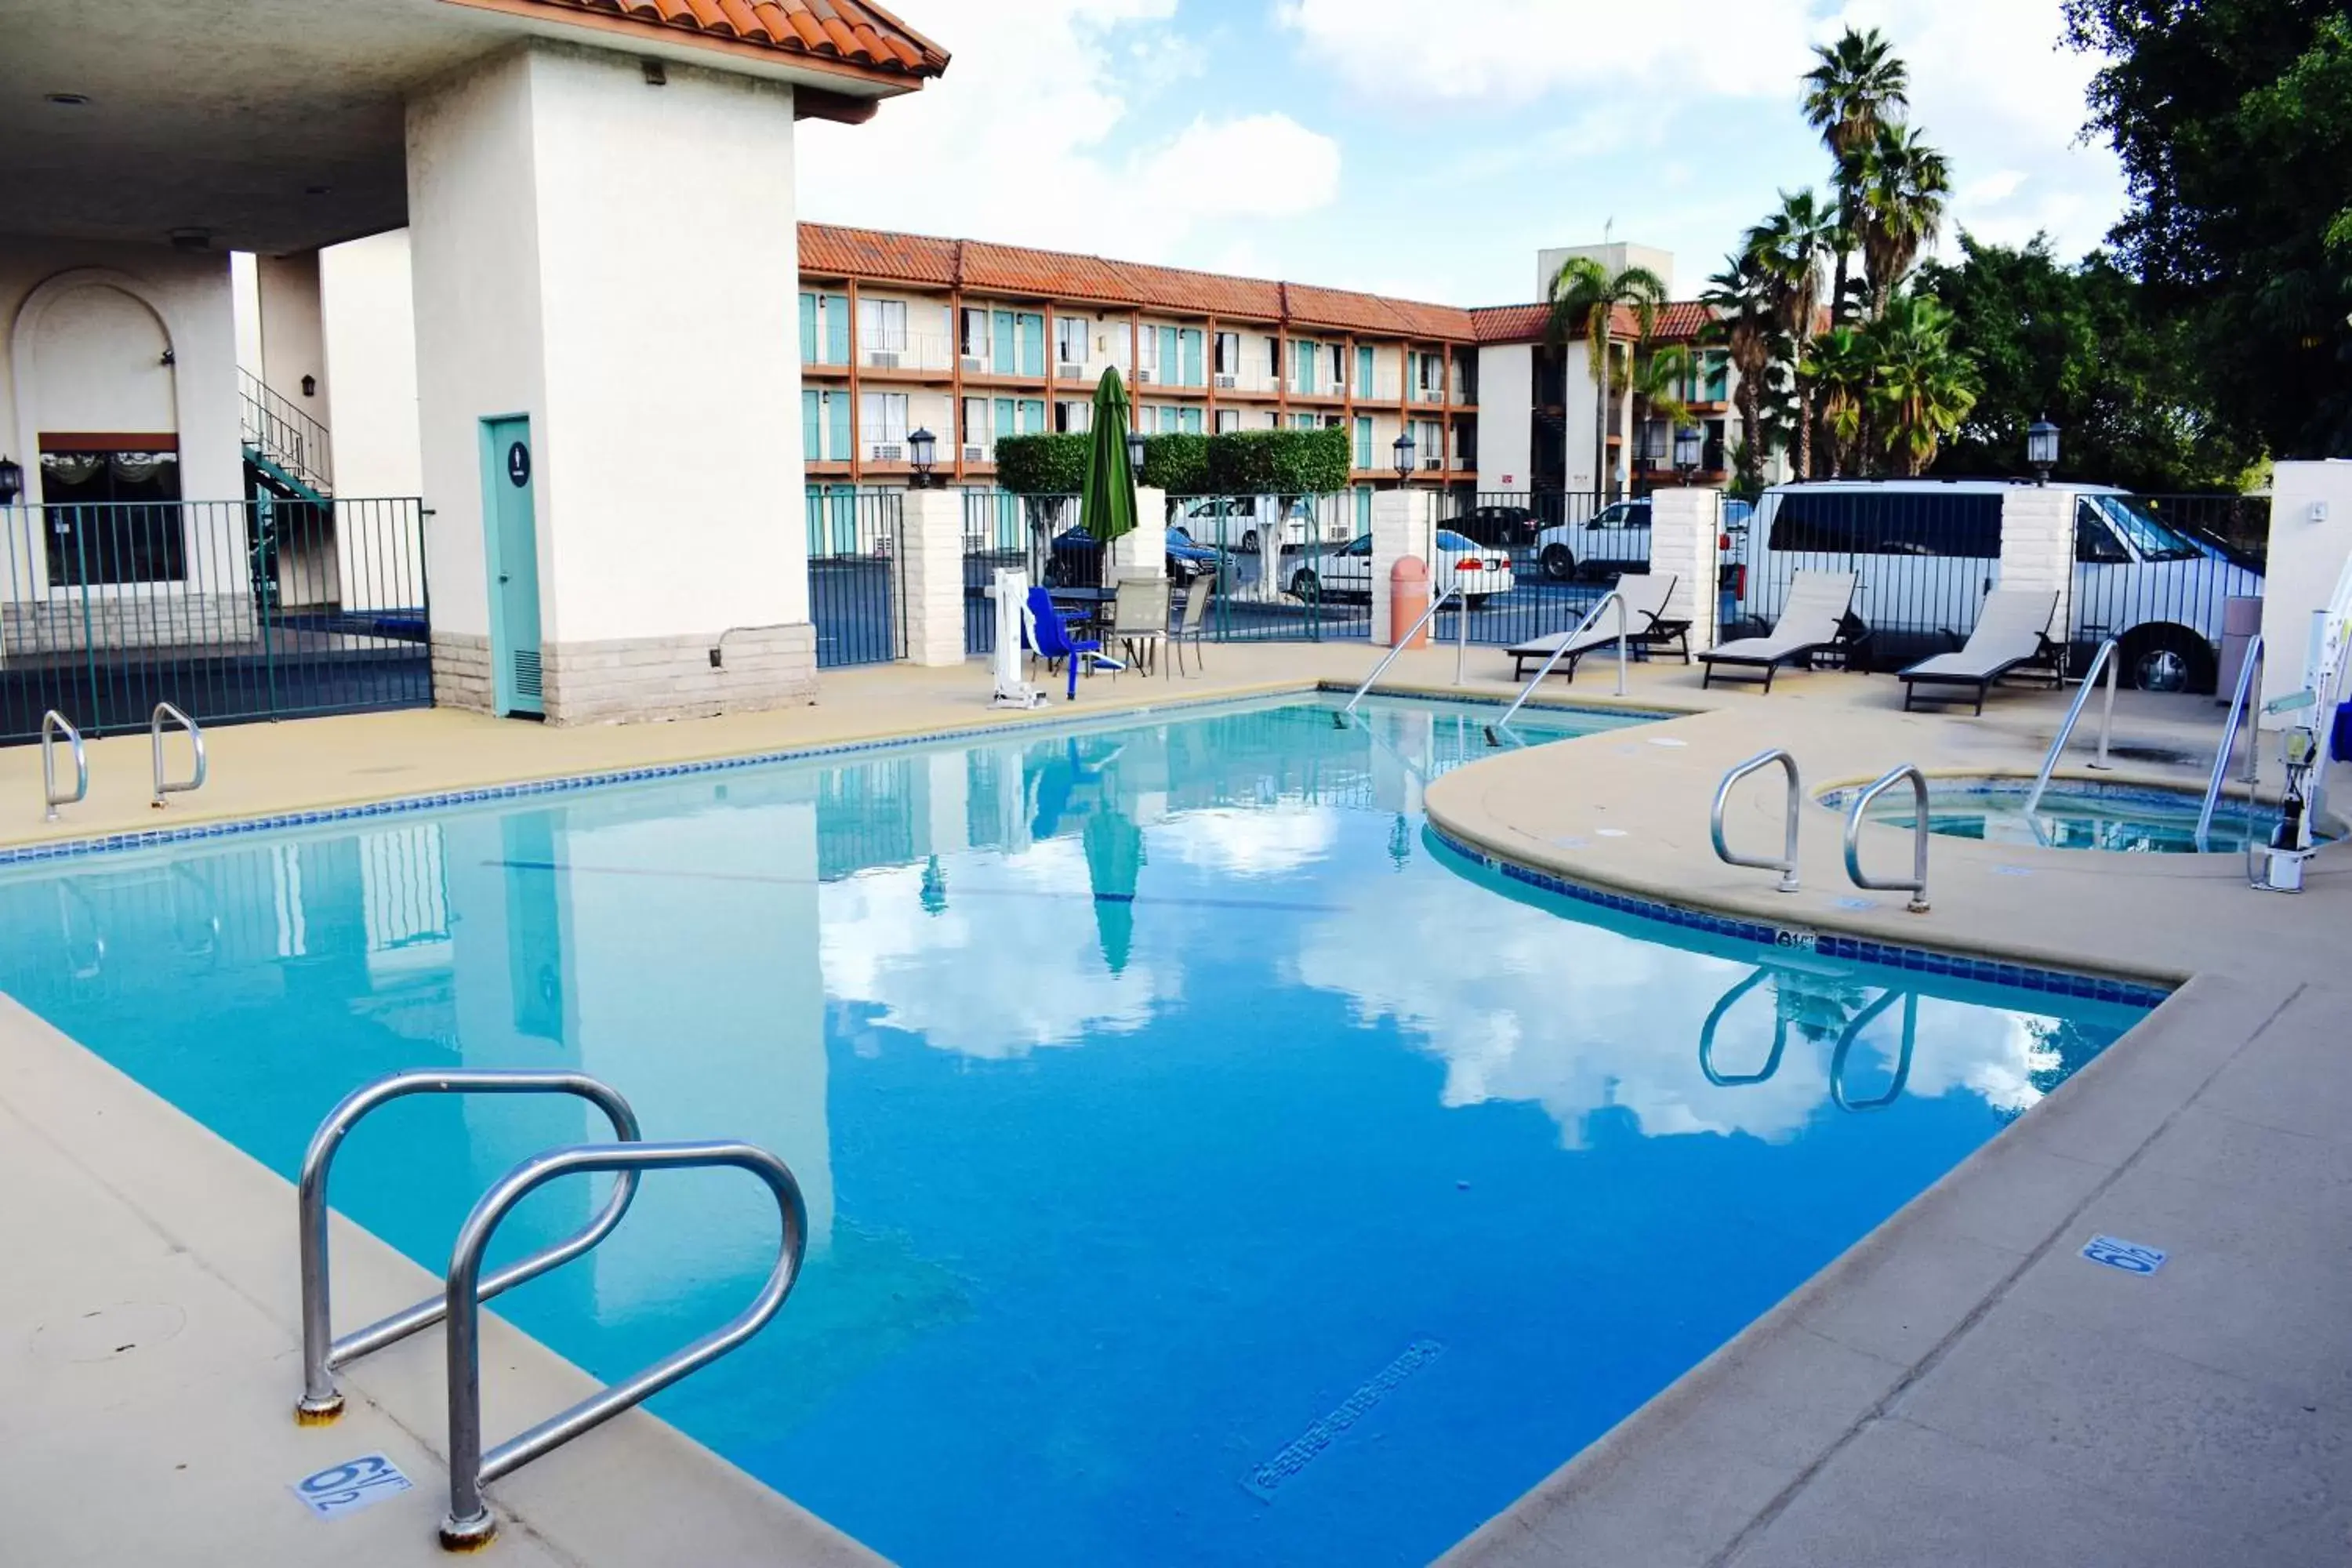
267, 608
857, 592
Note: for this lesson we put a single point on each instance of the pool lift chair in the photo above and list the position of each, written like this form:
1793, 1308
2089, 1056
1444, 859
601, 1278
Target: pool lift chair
1051, 640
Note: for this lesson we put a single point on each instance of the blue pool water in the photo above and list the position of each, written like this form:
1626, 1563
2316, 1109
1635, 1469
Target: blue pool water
1202, 1167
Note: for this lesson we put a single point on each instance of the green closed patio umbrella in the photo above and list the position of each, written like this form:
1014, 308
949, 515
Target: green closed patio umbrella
1106, 503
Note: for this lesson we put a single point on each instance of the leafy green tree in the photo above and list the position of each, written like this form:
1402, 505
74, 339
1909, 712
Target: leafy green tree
1585, 297
2085, 346
2234, 122
1858, 87
1842, 368
1787, 250
1900, 198
1284, 463
1742, 306
1922, 386
1177, 463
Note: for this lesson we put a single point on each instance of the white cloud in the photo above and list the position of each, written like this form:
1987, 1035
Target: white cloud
1030, 138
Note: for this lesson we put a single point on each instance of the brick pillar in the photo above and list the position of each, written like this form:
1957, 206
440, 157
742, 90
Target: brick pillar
929, 562
1144, 553
1685, 530
2037, 545
1404, 522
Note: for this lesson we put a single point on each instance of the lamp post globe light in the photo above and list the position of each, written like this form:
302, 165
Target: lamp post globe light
1403, 452
922, 451
2042, 448
1135, 454
12, 480
1687, 444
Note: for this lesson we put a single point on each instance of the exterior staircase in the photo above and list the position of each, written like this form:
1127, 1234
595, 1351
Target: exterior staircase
286, 450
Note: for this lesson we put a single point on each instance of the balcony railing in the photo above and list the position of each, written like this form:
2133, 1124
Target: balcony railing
911, 350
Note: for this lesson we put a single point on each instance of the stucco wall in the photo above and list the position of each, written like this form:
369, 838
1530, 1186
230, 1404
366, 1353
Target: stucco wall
1506, 416
293, 336
2307, 554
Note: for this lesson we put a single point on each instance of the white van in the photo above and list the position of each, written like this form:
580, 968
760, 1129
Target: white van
1926, 551
1233, 522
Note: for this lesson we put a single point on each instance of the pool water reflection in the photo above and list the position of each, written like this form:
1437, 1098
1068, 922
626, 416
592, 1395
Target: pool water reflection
1201, 1166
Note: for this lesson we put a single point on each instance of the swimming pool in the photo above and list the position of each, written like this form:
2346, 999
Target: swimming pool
2131, 819
1201, 1166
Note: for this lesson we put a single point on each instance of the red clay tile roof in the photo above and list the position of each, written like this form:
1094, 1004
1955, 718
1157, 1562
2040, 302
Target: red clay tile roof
852, 32
828, 251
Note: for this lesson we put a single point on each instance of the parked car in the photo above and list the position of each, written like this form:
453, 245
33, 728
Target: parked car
1926, 549
1234, 521
1503, 527
1347, 573
1615, 540
1076, 557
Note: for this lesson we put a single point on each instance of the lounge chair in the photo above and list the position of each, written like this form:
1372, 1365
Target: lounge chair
1138, 618
1645, 604
2011, 631
1811, 619
1051, 640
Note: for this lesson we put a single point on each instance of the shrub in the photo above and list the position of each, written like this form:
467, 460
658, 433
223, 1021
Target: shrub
1177, 464
1279, 462
1041, 465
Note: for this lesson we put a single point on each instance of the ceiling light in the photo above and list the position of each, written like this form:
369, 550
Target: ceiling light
69, 99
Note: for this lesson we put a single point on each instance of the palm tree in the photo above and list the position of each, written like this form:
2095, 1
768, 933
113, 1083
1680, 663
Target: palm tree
1924, 386
1903, 186
1858, 86
1841, 363
1786, 248
1585, 297
1743, 324
1657, 381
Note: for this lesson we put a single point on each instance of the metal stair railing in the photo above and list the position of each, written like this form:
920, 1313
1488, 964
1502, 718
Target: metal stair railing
1786, 863
195, 780
321, 1352
275, 427
2249, 682
1917, 886
1852, 1032
470, 1523
2103, 659
54, 723
1340, 720
1494, 731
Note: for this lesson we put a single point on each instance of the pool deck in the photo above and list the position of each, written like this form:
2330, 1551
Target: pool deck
1960, 1387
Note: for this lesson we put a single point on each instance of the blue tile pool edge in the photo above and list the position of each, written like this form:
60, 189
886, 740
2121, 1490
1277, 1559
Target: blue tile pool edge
1830, 944
148, 838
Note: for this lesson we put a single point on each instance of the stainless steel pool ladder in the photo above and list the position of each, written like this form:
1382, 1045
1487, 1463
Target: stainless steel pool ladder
2106, 659
1786, 863
196, 779
470, 1523
2250, 681
1917, 884
1460, 656
52, 723
1494, 731
1852, 1032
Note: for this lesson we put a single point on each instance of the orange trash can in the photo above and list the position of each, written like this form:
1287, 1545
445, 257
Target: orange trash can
1408, 598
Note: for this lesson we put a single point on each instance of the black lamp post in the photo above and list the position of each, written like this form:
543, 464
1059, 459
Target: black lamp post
1135, 454
1403, 452
2042, 448
1688, 442
922, 451
12, 480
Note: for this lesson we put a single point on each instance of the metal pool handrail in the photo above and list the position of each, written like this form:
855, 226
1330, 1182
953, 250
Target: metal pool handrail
1902, 1062
2249, 682
195, 737
2103, 659
1723, 1003
1917, 886
1786, 863
321, 1352
470, 1523
52, 722
1610, 598
1340, 720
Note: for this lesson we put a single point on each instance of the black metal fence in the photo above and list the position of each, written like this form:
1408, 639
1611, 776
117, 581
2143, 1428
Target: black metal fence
1564, 552
857, 595
2154, 573
1003, 529
1316, 587
230, 610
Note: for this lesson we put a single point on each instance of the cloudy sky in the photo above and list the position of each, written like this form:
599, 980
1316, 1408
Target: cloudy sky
1429, 147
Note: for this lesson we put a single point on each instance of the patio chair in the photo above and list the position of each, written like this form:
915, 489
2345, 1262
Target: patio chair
1052, 641
1645, 603
2012, 631
1811, 620
1138, 618
1188, 626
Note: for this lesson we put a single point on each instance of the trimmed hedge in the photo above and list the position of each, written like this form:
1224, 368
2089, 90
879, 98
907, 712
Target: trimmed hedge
1041, 465
1177, 464
1279, 462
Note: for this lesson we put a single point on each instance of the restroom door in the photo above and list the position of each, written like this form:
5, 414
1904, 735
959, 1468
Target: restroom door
512, 546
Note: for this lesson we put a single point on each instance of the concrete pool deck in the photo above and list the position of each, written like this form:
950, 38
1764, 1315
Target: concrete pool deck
1960, 1387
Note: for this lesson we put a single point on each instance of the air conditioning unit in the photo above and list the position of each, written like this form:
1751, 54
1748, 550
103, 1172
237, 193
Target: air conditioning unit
891, 452
1069, 371
1145, 377
975, 454
1228, 382
1438, 463
974, 365
883, 359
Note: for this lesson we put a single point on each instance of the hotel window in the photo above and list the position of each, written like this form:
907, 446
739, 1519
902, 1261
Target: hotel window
1072, 418
1273, 358
978, 441
1229, 353
1228, 419
1147, 344
882, 325
882, 425
115, 516
971, 339
1070, 339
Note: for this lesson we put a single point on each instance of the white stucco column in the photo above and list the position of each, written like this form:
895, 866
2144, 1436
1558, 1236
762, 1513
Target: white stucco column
1144, 553
1686, 533
615, 260
929, 562
1404, 522
2310, 541
2037, 545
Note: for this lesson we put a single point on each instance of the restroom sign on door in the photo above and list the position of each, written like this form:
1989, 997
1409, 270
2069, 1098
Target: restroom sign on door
518, 464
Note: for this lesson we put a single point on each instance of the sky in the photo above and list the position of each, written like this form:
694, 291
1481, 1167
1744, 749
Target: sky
1428, 148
